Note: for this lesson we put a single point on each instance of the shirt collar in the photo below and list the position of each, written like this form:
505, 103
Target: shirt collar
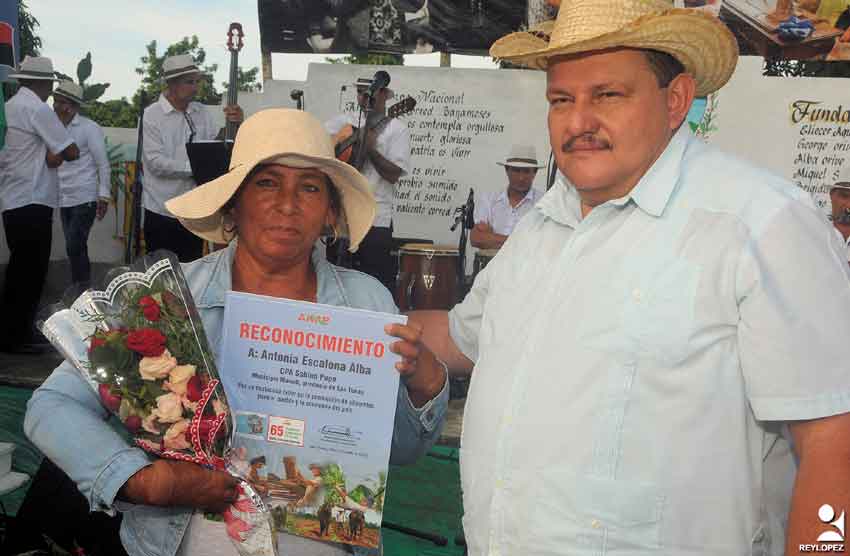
651, 194
329, 287
503, 197
29, 94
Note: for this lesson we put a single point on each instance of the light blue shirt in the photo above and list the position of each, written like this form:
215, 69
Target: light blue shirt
634, 367
67, 422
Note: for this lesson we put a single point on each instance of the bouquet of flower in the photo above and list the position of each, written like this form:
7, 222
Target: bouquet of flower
140, 344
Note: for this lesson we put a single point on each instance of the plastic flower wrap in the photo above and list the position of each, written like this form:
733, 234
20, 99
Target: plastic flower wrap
140, 344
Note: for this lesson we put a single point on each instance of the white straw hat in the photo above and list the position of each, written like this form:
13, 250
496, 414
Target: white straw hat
291, 137
70, 90
701, 42
522, 156
180, 64
37, 68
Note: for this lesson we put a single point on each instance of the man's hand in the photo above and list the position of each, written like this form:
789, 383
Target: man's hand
233, 113
53, 160
419, 369
181, 484
102, 206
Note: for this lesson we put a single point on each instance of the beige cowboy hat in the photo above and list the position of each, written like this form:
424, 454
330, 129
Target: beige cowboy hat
522, 156
70, 91
180, 64
282, 136
701, 42
35, 68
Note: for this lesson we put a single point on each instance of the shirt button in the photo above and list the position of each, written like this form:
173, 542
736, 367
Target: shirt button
596, 524
637, 294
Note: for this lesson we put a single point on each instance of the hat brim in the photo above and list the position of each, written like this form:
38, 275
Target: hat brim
199, 210
840, 185
520, 165
31, 77
703, 44
187, 71
70, 97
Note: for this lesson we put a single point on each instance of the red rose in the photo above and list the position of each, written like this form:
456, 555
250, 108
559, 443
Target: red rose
150, 342
96, 343
194, 389
111, 401
133, 423
150, 308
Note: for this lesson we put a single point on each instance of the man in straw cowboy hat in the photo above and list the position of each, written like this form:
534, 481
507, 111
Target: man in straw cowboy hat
84, 184
36, 144
169, 123
497, 213
700, 345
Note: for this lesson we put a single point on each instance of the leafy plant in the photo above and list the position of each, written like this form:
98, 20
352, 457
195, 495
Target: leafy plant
84, 68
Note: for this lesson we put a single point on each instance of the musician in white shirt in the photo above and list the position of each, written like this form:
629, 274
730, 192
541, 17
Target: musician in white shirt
84, 184
497, 213
36, 144
169, 123
839, 195
387, 159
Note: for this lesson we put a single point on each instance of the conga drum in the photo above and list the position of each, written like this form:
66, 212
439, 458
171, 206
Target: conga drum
482, 257
427, 277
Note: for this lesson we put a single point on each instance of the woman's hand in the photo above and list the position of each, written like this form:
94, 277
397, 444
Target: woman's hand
423, 375
180, 483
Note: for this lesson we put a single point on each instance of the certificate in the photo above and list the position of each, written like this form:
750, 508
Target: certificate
313, 391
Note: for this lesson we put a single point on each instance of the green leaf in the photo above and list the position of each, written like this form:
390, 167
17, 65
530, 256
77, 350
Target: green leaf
694, 126
84, 69
94, 92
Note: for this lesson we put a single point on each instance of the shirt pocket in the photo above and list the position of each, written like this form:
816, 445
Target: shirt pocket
584, 515
660, 311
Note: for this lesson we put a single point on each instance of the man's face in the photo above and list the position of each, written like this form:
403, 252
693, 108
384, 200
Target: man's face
64, 108
840, 198
609, 120
520, 179
380, 98
185, 87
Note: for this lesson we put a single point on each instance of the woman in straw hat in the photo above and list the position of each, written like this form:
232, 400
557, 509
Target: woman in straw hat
656, 422
284, 190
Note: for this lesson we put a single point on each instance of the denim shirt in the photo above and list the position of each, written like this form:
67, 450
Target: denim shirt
67, 422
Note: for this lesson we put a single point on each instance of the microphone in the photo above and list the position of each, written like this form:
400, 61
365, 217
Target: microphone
295, 94
379, 81
468, 222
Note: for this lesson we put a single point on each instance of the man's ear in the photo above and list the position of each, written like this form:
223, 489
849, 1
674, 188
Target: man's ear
680, 95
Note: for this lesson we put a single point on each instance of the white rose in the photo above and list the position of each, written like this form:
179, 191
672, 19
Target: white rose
154, 368
178, 378
169, 408
149, 424
175, 436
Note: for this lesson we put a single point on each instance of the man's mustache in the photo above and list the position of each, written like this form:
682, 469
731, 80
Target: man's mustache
585, 140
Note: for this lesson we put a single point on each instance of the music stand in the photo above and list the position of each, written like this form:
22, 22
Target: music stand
209, 159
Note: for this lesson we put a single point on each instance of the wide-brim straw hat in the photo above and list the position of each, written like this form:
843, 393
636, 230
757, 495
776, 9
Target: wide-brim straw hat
701, 42
70, 91
35, 68
283, 136
521, 156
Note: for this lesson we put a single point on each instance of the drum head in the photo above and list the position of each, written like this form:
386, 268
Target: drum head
489, 253
428, 249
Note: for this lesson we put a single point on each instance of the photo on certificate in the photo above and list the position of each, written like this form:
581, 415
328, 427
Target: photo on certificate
313, 390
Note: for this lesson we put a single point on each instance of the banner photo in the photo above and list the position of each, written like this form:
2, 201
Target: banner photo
393, 26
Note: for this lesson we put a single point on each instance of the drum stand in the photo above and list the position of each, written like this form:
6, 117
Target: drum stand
464, 217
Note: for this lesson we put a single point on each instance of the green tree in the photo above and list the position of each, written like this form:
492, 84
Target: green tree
151, 70
805, 68
113, 113
27, 25
246, 81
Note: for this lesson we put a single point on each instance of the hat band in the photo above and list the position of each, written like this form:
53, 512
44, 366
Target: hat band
180, 70
68, 95
36, 73
525, 160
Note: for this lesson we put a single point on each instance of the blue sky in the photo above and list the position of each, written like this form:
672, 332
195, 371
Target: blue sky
116, 32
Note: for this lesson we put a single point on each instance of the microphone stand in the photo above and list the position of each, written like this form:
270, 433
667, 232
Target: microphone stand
464, 218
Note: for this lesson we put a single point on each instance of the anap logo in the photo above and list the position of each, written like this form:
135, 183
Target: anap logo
826, 514
314, 319
831, 540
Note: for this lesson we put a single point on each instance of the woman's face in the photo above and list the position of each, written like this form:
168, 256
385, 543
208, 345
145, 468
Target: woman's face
281, 211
